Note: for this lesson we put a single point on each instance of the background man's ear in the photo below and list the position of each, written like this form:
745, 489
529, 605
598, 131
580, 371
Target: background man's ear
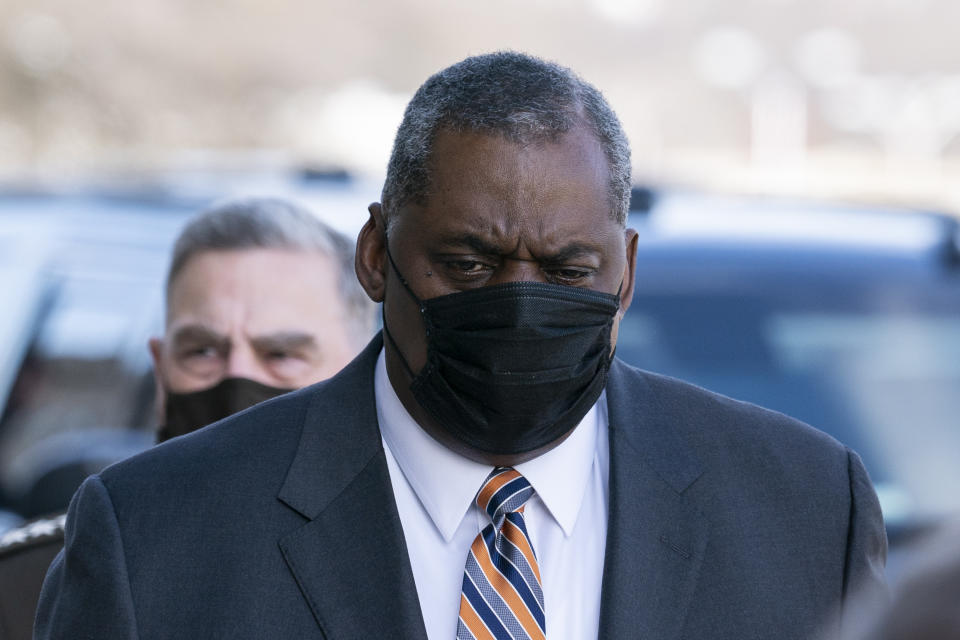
370, 258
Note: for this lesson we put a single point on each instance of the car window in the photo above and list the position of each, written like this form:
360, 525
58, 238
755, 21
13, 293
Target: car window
81, 362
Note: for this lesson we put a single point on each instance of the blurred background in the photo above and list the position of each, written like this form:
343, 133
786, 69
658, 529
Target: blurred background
797, 167
856, 99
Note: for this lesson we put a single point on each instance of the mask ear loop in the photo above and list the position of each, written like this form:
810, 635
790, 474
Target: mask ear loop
403, 281
383, 313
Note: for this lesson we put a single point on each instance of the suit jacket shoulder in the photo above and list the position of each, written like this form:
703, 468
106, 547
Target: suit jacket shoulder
728, 435
770, 523
278, 521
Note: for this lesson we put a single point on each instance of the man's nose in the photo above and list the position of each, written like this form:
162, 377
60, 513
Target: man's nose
519, 270
242, 363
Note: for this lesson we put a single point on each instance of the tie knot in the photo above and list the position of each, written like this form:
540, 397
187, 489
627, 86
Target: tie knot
504, 491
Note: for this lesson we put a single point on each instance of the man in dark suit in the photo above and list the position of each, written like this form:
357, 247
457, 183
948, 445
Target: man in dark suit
486, 468
243, 324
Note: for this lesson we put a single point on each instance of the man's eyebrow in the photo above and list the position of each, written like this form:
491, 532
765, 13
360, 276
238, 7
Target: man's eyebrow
198, 333
284, 341
487, 247
571, 252
471, 240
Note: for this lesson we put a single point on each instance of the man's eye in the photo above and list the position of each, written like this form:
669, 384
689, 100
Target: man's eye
278, 355
467, 266
201, 352
568, 276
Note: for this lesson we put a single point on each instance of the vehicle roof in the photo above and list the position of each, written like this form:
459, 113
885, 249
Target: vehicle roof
683, 231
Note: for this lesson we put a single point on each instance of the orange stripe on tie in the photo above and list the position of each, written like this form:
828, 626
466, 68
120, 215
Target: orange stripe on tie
472, 621
506, 590
513, 533
494, 485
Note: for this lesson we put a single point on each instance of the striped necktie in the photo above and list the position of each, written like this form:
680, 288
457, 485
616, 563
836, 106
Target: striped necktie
502, 597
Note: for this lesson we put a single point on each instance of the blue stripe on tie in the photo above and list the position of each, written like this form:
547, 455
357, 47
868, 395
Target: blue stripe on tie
512, 575
514, 502
515, 486
493, 598
496, 473
518, 520
489, 539
484, 611
521, 523
522, 565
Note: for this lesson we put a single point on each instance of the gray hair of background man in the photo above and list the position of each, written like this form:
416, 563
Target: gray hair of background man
523, 98
273, 223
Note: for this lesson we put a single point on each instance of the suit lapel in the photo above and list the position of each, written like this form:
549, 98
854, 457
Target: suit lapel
656, 535
350, 559
357, 579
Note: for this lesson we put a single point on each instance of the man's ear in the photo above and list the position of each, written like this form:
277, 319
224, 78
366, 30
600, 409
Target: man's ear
160, 394
370, 258
630, 240
629, 271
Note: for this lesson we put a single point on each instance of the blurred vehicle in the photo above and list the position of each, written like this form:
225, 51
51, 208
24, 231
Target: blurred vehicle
846, 318
82, 273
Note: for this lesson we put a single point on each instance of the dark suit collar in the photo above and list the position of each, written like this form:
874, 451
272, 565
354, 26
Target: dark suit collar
340, 436
641, 421
350, 559
656, 534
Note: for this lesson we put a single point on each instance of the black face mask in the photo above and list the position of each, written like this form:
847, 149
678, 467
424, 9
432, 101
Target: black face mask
512, 367
188, 412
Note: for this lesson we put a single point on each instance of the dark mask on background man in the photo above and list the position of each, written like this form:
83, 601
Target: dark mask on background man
186, 412
512, 367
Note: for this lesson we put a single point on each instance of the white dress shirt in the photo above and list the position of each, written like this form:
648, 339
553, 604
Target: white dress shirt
566, 518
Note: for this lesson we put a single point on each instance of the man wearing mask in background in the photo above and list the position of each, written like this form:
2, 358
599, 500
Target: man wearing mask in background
486, 469
261, 299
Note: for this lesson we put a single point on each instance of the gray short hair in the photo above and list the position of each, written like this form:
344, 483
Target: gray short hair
521, 97
273, 223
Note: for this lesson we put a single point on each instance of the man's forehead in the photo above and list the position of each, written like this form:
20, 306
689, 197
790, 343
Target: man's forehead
579, 146
225, 262
255, 271
504, 232
265, 290
499, 188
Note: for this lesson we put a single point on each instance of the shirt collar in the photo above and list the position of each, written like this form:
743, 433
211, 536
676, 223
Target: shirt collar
560, 476
446, 483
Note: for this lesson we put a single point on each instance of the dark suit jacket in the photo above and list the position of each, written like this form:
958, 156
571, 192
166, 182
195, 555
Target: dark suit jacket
726, 521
